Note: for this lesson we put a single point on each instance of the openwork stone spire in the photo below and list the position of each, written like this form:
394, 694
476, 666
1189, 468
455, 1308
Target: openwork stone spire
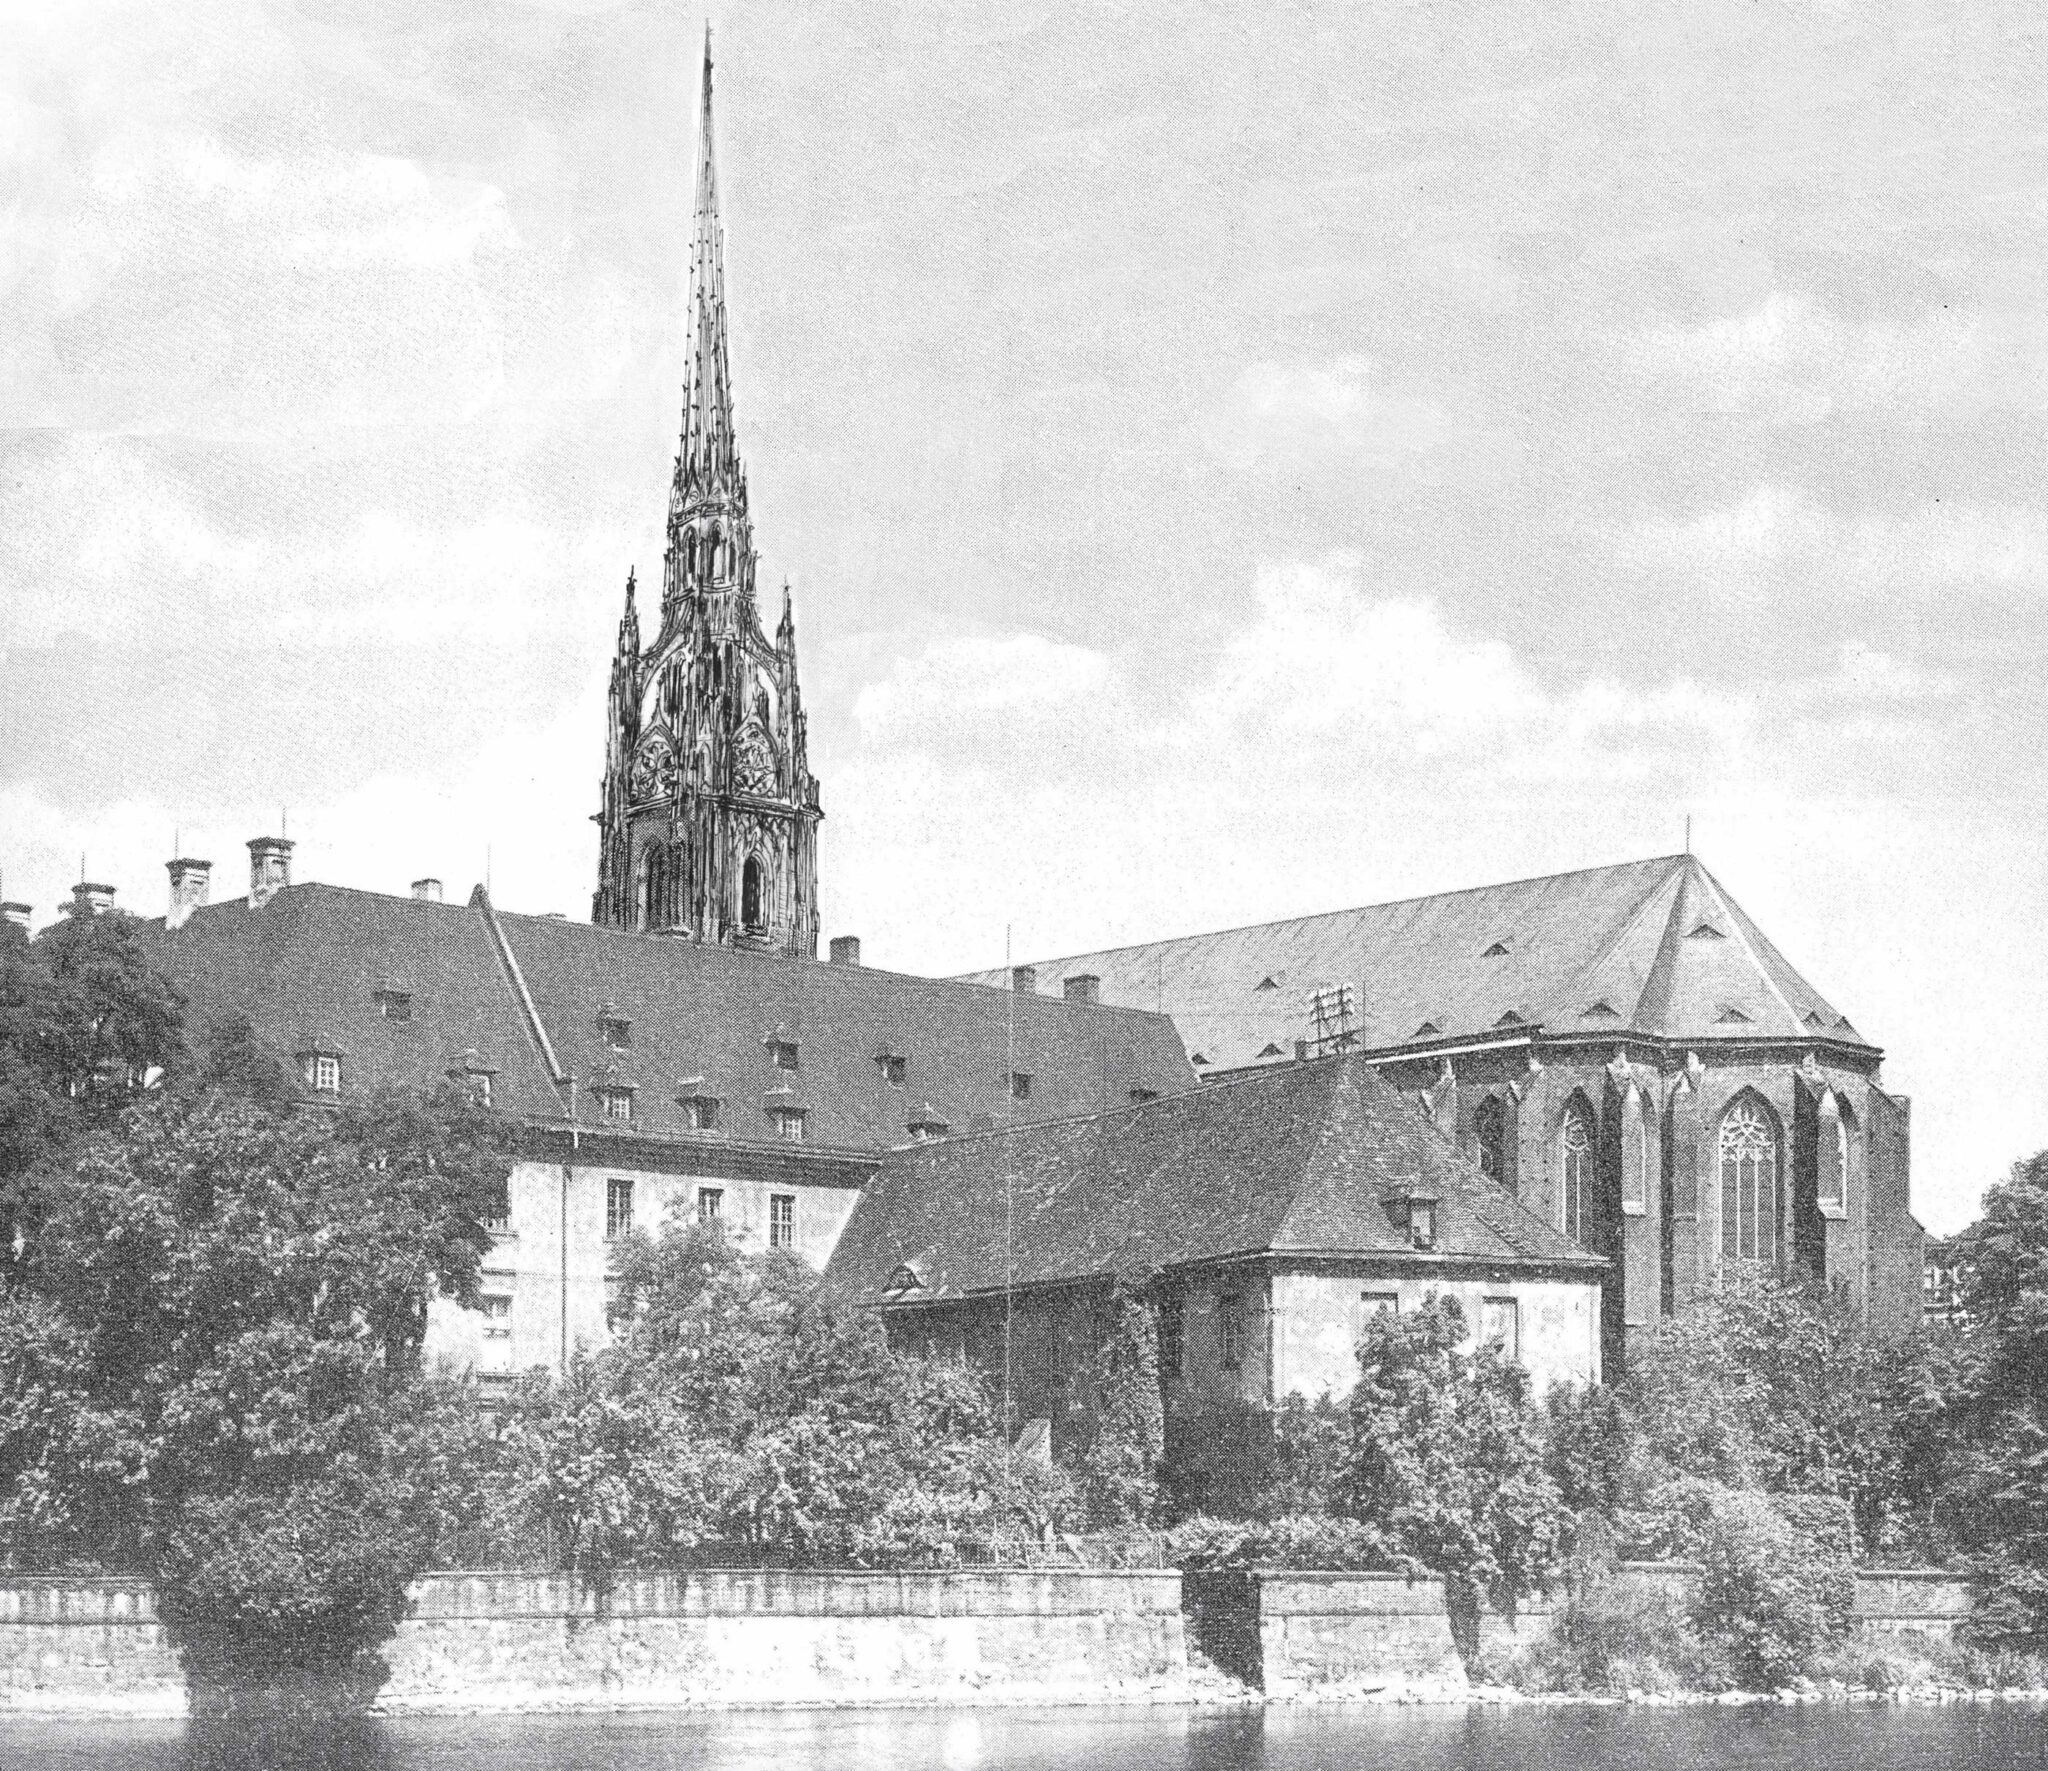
707, 458
710, 809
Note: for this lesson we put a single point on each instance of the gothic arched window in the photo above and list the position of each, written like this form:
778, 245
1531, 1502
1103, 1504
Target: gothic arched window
751, 916
1577, 1142
1749, 1184
1833, 1159
1491, 1125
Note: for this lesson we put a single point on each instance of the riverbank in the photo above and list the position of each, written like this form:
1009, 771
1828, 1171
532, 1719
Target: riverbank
489, 1643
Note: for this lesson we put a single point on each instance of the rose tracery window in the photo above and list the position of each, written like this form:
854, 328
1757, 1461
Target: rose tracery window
1749, 1185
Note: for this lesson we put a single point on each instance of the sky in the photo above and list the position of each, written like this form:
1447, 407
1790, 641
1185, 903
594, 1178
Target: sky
1230, 461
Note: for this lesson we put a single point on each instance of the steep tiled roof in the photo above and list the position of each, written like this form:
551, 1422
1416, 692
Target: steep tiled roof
1654, 947
308, 965
1301, 1159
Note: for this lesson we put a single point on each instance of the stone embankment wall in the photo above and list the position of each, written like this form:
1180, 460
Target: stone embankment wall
534, 1641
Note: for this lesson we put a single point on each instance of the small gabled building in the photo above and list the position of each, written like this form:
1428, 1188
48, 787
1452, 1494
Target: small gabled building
1621, 1048
1265, 1217
643, 1074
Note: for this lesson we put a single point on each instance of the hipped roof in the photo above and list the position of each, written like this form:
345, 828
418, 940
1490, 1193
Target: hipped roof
1653, 947
1308, 1160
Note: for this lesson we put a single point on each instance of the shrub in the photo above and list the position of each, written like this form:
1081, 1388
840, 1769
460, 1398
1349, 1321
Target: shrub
1619, 1634
1765, 1591
1296, 1540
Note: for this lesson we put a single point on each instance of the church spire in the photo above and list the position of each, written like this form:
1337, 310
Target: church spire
707, 457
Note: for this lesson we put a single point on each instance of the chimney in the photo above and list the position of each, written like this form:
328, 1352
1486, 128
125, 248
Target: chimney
846, 950
428, 891
89, 899
189, 882
16, 913
270, 868
1083, 987
1024, 978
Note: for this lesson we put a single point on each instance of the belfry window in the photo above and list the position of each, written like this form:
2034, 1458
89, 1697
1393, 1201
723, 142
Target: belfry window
1749, 1184
1577, 1189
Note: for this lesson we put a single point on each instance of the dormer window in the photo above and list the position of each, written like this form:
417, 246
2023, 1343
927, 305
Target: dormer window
1198, 1059
902, 1282
1731, 1016
1272, 1051
1499, 950
1020, 1085
615, 1103
322, 1071
1428, 1030
788, 1123
700, 1112
1415, 1212
1603, 1010
469, 1071
1510, 1019
1706, 932
1144, 1094
616, 1031
393, 1005
1266, 984
781, 1051
893, 1067
925, 1125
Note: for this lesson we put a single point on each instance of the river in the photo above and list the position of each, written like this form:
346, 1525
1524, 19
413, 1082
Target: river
1993, 1737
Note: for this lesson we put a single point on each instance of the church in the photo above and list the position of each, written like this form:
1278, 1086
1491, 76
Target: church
1573, 1102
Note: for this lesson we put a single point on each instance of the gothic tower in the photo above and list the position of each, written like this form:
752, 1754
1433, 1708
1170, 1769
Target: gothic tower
710, 817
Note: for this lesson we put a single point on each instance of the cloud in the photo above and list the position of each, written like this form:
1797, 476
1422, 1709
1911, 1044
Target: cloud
1777, 531
1792, 360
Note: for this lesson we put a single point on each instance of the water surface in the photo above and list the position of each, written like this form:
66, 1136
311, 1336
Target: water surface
1337, 1738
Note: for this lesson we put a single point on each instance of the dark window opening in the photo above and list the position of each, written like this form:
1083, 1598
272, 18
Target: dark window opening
617, 1032
751, 914
618, 1209
782, 1220
1499, 950
1020, 1085
710, 1204
394, 1005
782, 1053
1490, 1123
893, 1068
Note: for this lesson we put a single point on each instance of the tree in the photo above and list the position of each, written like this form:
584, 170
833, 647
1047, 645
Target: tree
1447, 1461
86, 1024
739, 1404
221, 1322
1116, 1468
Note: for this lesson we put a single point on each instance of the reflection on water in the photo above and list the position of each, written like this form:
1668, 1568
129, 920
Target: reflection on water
1337, 1738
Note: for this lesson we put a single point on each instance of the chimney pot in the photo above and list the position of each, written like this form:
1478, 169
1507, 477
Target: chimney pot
16, 912
190, 881
846, 950
1083, 987
270, 868
88, 898
1024, 978
428, 891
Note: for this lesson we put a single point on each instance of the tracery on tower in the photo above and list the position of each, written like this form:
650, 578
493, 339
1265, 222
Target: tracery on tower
710, 813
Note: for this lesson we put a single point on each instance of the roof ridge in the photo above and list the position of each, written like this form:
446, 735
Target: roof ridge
1343, 910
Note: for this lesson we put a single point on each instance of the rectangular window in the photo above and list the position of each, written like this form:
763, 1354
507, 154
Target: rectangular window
618, 1209
498, 1211
789, 1125
700, 1113
325, 1075
1020, 1086
617, 1103
710, 1204
394, 1005
893, 1069
497, 1318
1500, 1325
480, 1089
782, 1220
617, 1031
783, 1052
1378, 1303
1230, 1330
